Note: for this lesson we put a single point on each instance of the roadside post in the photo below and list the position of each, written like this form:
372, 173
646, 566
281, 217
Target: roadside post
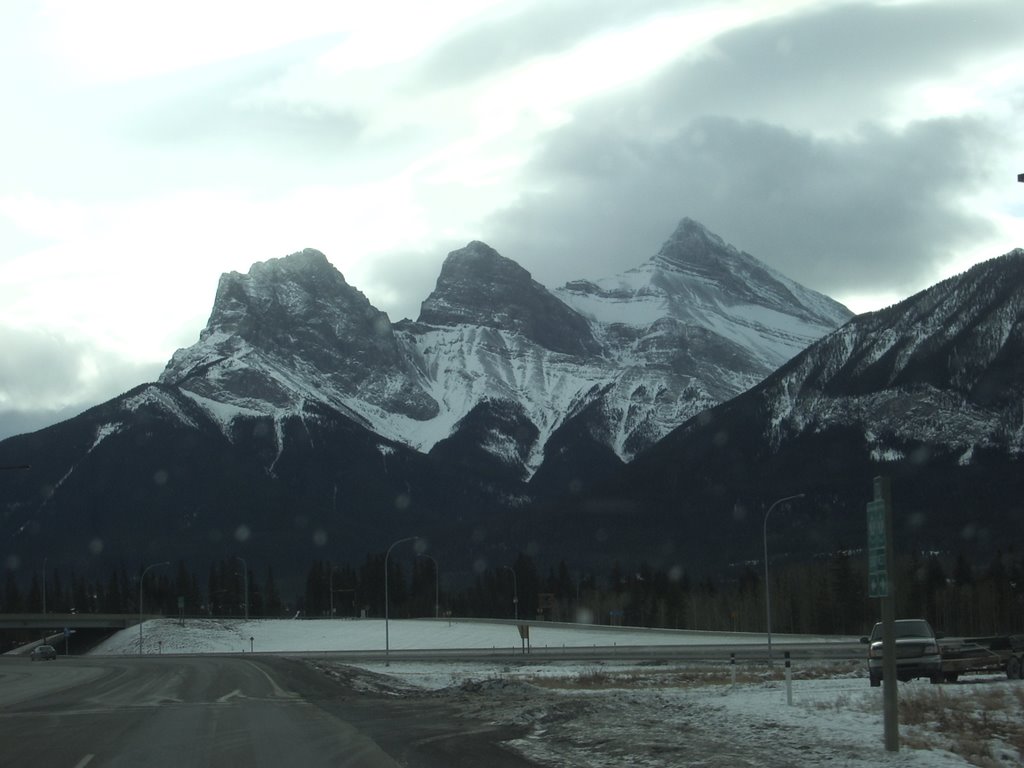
880, 584
524, 637
732, 666
789, 680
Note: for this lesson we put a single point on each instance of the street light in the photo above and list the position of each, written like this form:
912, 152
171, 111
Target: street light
387, 640
245, 582
515, 590
767, 586
437, 591
141, 579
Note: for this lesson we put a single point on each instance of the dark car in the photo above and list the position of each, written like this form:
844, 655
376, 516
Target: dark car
43, 653
917, 651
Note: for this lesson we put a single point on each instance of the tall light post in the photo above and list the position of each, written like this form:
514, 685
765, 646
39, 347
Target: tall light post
330, 587
437, 590
142, 578
767, 586
387, 639
245, 582
515, 590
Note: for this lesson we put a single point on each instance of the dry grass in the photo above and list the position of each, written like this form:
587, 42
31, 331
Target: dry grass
986, 728
692, 676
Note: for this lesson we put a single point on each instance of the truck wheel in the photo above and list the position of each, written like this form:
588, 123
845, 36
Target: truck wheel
936, 679
875, 681
952, 677
1013, 668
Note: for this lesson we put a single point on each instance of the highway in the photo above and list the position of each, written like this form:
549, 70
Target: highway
222, 711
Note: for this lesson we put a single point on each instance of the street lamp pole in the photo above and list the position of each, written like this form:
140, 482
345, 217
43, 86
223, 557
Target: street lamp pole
437, 590
330, 587
141, 579
245, 582
767, 586
387, 639
515, 590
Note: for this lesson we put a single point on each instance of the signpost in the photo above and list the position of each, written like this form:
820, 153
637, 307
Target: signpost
878, 572
880, 585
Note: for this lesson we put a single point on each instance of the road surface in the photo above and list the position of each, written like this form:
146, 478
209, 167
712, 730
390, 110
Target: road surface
223, 711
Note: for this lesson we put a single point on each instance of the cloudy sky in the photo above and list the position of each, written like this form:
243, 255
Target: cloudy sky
864, 149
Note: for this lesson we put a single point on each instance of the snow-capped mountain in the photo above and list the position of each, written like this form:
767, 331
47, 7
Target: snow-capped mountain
305, 425
929, 392
496, 362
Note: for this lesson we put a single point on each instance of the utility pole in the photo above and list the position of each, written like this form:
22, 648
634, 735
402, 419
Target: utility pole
881, 568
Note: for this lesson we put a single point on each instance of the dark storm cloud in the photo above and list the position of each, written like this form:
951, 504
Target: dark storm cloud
540, 29
860, 215
39, 369
828, 63
770, 140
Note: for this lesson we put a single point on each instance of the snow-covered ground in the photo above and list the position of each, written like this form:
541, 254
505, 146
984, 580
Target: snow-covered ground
281, 636
613, 713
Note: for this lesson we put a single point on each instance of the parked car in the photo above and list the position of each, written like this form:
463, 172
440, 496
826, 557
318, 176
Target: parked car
917, 651
43, 653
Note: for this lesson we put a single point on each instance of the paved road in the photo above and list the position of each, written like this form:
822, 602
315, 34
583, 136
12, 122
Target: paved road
222, 711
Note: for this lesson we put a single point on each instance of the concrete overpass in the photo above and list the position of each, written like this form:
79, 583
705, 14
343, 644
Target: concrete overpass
69, 632
62, 621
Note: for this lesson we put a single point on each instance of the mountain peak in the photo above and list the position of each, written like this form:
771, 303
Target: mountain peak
479, 286
693, 243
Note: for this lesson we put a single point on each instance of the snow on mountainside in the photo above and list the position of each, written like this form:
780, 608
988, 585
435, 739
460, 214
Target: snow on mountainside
496, 357
943, 368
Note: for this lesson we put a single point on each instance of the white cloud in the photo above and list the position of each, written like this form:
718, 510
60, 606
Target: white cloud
149, 149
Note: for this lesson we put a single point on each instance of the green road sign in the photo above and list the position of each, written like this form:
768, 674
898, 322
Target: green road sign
878, 575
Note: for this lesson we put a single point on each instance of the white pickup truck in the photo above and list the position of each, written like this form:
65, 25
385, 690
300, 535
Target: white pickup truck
917, 651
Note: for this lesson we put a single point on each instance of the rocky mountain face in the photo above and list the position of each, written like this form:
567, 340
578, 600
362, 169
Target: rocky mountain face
305, 424
496, 364
929, 392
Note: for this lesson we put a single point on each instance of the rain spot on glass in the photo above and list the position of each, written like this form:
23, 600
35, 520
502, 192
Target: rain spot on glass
479, 566
916, 520
402, 501
96, 546
381, 325
921, 455
739, 512
532, 549
584, 616
215, 535
721, 438
969, 532
12, 563
320, 537
242, 532
675, 573
784, 45
160, 477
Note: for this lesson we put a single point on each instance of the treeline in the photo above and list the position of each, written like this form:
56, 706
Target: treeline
826, 596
